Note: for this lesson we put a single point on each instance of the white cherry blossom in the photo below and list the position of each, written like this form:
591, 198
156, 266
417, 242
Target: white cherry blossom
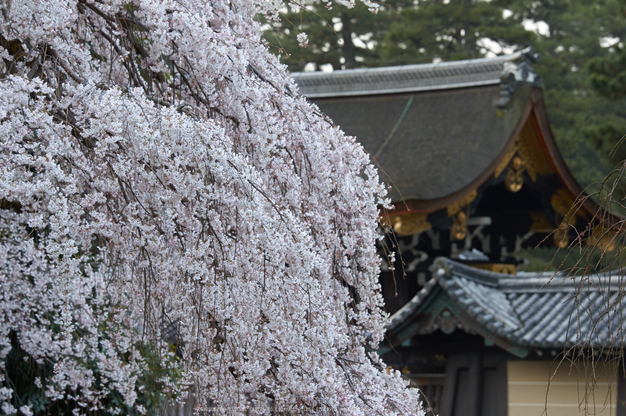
159, 170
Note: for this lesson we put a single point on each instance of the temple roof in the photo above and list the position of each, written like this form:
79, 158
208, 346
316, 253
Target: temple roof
434, 130
521, 312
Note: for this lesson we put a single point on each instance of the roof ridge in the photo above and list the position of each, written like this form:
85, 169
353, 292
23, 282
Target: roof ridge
420, 77
529, 281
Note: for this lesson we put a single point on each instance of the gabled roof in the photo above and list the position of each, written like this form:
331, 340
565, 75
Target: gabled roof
441, 132
521, 312
436, 131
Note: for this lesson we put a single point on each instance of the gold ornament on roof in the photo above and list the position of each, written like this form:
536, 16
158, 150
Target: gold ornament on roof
459, 227
459, 212
514, 179
540, 223
524, 156
563, 204
603, 238
561, 236
405, 225
462, 203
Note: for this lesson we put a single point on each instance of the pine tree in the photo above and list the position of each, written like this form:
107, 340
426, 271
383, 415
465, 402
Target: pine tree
587, 125
342, 37
451, 30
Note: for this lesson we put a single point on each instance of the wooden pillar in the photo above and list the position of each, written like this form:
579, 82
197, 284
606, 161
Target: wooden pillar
621, 390
463, 386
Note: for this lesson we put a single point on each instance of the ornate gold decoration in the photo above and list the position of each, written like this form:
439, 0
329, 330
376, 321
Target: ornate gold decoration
540, 223
562, 203
505, 161
514, 179
517, 163
561, 236
496, 267
459, 226
566, 211
524, 156
602, 238
405, 225
462, 203
459, 212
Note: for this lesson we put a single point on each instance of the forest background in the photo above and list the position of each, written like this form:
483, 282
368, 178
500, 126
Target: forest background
580, 43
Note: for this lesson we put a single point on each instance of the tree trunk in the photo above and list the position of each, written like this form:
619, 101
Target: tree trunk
349, 52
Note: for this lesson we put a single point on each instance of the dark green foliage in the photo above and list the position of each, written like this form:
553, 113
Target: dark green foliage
451, 30
398, 34
22, 371
607, 74
586, 125
578, 260
341, 37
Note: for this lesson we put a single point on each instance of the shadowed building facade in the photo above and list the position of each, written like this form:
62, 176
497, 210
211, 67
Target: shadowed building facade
475, 176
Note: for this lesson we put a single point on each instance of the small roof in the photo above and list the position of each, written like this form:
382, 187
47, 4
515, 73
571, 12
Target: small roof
433, 130
520, 312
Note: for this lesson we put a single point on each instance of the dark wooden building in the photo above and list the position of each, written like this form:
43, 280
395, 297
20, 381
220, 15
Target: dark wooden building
475, 176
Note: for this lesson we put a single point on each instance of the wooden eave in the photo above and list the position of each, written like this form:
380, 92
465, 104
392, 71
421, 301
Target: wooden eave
534, 116
432, 205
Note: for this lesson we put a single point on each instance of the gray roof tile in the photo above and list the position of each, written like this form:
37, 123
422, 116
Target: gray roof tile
533, 311
471, 109
414, 78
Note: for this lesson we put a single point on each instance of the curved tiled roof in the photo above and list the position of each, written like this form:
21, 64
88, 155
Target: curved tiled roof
533, 310
486, 303
434, 130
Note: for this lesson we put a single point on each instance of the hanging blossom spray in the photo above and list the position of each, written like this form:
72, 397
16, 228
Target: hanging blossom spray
159, 169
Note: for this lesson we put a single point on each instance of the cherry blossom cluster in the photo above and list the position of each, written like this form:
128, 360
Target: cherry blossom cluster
160, 170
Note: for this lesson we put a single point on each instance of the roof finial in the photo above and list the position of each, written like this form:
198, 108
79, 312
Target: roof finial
518, 68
